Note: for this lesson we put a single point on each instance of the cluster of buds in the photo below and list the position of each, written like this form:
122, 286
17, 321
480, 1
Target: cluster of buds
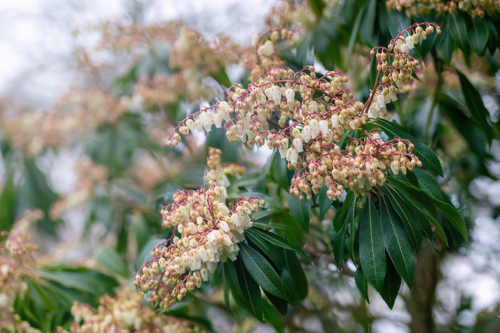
206, 231
306, 118
75, 113
90, 175
263, 54
397, 65
125, 313
16, 266
420, 7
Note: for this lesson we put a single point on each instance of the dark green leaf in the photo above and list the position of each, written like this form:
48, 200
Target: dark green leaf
265, 247
427, 183
477, 35
279, 303
271, 316
225, 277
424, 153
457, 28
352, 233
276, 240
317, 7
339, 218
397, 22
362, 283
476, 107
300, 211
446, 48
392, 283
368, 23
397, 242
249, 289
324, 202
411, 225
354, 32
371, 245
262, 272
293, 232
293, 266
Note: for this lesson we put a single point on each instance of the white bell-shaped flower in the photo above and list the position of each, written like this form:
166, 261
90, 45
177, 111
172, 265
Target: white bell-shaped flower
409, 42
266, 49
290, 96
255, 39
314, 128
323, 126
306, 134
218, 120
198, 125
297, 144
393, 96
292, 155
190, 124
335, 121
275, 94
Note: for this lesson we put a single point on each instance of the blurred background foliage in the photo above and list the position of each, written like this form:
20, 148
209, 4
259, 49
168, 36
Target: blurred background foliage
142, 76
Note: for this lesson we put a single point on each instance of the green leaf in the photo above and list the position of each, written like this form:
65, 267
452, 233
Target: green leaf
324, 202
279, 171
338, 246
339, 218
300, 211
317, 7
362, 283
354, 33
249, 289
397, 242
352, 233
392, 283
446, 48
7, 202
276, 240
262, 272
411, 225
271, 317
457, 28
476, 107
373, 75
111, 260
397, 22
368, 23
279, 303
427, 183
371, 245
225, 277
477, 35
293, 232
231, 279
425, 154
409, 178
266, 248
448, 211
293, 266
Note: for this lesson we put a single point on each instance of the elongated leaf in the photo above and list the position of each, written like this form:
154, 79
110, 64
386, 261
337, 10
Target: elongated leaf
448, 211
293, 232
339, 247
424, 153
293, 266
324, 202
352, 232
409, 178
276, 240
457, 29
371, 245
477, 34
271, 316
397, 242
317, 7
362, 283
262, 272
475, 104
411, 225
224, 277
392, 283
250, 290
354, 32
446, 48
300, 211
339, 218
279, 303
111, 260
231, 278
266, 248
427, 183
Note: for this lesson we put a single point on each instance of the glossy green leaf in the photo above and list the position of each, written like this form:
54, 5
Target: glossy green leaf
324, 202
224, 277
276, 240
448, 211
340, 215
294, 233
300, 211
266, 248
457, 28
250, 290
371, 245
352, 233
427, 183
271, 316
362, 283
391, 286
477, 34
446, 48
476, 107
262, 272
397, 242
293, 266
423, 152
279, 303
410, 177
339, 247
412, 227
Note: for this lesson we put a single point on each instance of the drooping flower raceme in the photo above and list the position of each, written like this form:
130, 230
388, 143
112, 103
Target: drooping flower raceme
125, 313
306, 118
206, 231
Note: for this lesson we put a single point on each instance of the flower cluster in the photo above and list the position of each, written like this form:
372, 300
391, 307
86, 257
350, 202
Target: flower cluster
206, 231
420, 7
16, 265
125, 313
75, 113
90, 175
307, 117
